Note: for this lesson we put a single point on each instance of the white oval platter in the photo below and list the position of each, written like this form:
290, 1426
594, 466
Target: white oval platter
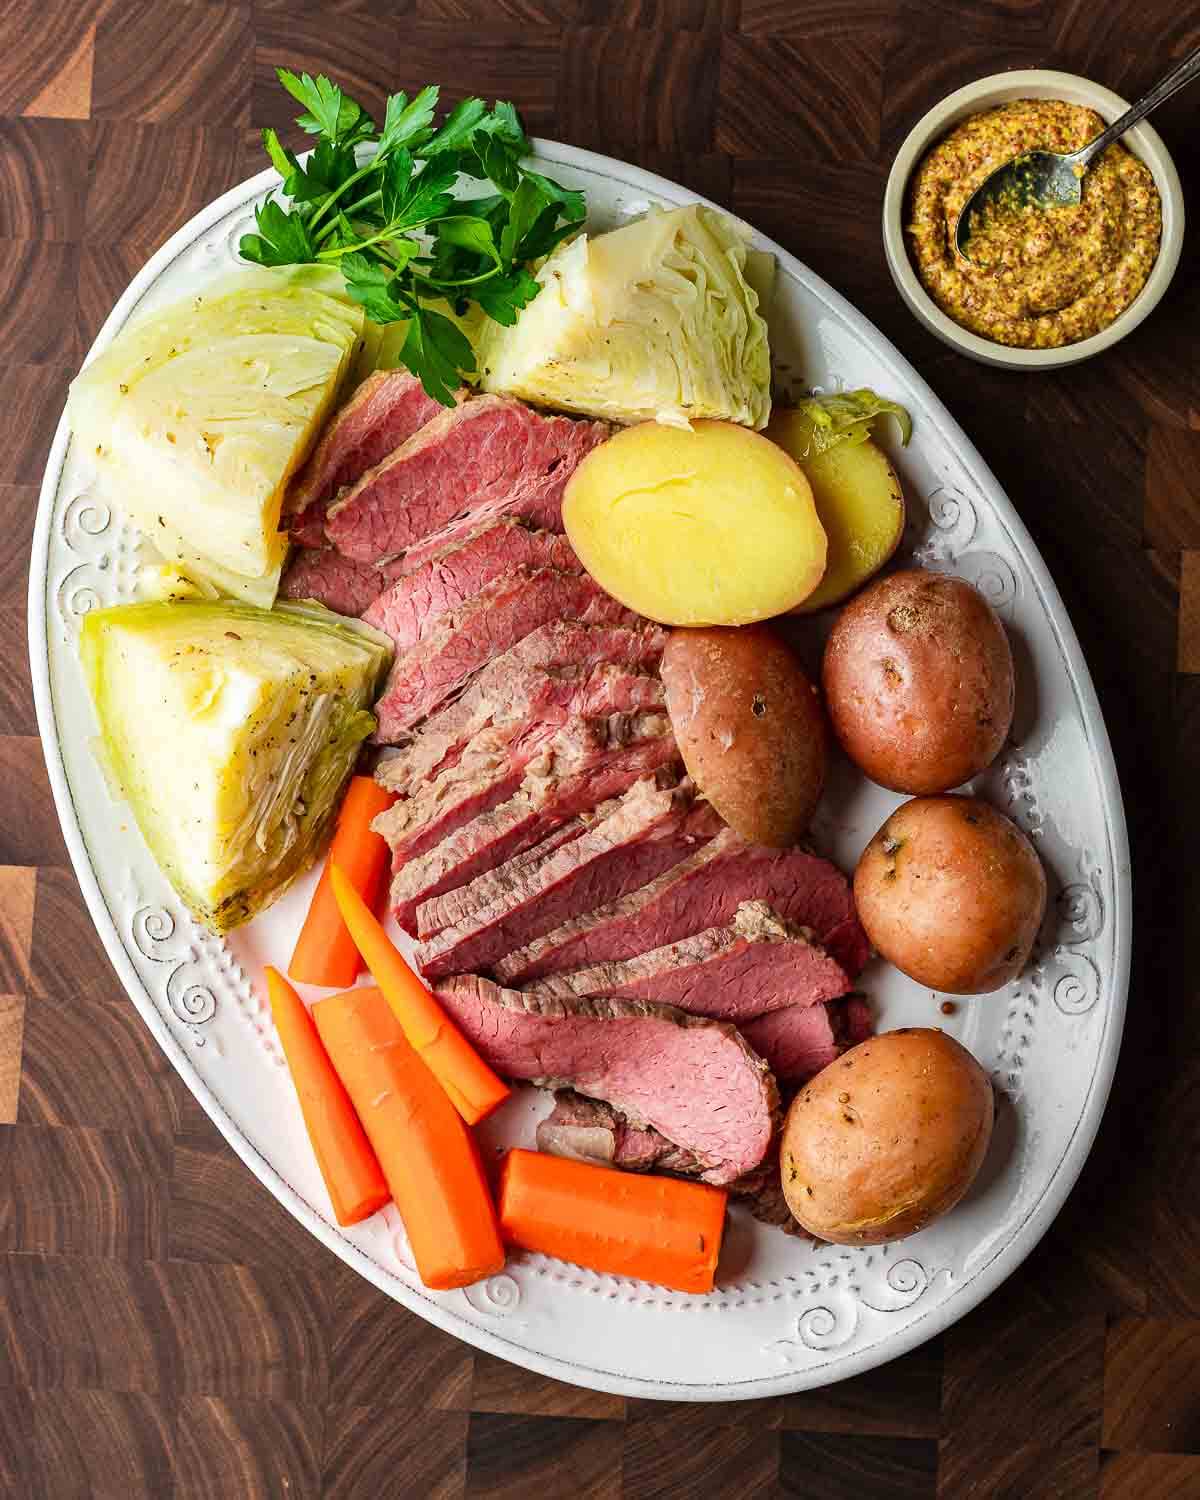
786, 1315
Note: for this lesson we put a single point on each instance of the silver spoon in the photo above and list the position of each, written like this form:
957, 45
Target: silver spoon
1046, 178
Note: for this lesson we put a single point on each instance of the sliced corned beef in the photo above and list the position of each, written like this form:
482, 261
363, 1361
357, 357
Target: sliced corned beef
514, 685
335, 581
703, 891
487, 458
493, 761
465, 639
797, 1041
650, 829
384, 412
408, 609
754, 964
694, 1081
587, 762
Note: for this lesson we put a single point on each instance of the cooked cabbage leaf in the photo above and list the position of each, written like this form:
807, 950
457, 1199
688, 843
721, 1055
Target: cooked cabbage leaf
846, 417
197, 414
653, 321
231, 731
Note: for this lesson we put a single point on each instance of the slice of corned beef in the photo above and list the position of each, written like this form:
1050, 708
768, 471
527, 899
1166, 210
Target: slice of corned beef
514, 685
703, 891
756, 963
334, 581
408, 609
694, 1081
493, 761
489, 457
384, 412
463, 640
651, 829
587, 762
797, 1041
591, 1131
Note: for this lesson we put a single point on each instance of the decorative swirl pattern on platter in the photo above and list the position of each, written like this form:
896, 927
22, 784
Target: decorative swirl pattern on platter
833, 1322
1078, 989
954, 521
157, 936
497, 1297
993, 576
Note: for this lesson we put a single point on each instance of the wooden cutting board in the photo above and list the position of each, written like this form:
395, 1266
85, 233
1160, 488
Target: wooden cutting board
165, 1329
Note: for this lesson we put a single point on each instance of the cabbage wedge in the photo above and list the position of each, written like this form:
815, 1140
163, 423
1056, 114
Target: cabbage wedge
656, 320
231, 731
197, 414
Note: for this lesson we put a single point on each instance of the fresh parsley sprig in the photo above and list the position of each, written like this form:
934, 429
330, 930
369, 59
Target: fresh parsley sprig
379, 203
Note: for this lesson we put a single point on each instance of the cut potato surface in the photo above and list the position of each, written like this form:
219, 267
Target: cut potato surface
709, 526
860, 503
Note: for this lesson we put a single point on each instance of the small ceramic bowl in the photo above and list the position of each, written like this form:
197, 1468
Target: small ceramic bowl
1030, 83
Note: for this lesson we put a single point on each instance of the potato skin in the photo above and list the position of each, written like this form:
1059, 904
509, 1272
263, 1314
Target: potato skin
918, 680
749, 726
887, 1138
953, 893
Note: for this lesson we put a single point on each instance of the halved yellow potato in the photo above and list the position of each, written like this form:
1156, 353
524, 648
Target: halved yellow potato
859, 500
712, 525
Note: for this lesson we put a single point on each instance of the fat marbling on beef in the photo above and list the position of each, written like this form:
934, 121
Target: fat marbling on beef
493, 761
694, 1081
587, 762
756, 963
465, 639
514, 686
703, 891
489, 457
649, 829
415, 601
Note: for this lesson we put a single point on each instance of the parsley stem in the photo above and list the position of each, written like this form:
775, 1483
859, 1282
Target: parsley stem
388, 232
363, 171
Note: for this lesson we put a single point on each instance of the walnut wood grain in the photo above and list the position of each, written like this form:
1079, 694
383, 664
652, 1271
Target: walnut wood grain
166, 1330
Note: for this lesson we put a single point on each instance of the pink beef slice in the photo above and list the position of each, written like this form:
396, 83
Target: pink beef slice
492, 763
489, 457
587, 762
797, 1041
651, 829
514, 686
464, 640
335, 581
754, 964
694, 1081
700, 892
409, 608
383, 413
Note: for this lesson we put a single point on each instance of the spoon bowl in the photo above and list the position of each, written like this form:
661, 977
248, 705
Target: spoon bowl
1045, 179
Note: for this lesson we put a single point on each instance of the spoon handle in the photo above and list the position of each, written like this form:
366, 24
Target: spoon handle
1182, 73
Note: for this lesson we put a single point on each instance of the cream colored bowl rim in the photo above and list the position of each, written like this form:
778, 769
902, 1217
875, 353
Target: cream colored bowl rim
998, 88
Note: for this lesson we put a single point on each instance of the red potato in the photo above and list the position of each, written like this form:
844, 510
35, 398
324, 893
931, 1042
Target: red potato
887, 1138
918, 680
953, 893
750, 728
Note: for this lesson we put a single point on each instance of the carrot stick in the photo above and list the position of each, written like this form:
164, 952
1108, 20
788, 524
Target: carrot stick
653, 1228
352, 1175
325, 952
471, 1084
427, 1154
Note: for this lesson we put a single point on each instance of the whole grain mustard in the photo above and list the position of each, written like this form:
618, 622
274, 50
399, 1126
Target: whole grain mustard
1038, 277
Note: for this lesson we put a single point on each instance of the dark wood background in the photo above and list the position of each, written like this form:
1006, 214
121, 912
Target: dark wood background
165, 1329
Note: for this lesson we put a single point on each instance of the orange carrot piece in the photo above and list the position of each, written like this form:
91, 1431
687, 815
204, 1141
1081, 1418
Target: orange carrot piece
653, 1228
471, 1084
427, 1154
348, 1165
325, 952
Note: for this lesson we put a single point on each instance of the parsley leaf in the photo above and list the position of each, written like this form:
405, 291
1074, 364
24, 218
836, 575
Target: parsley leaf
438, 352
408, 124
389, 218
282, 238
